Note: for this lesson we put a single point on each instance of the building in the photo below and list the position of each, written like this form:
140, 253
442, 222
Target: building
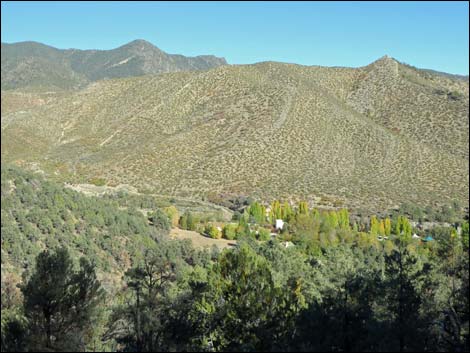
279, 224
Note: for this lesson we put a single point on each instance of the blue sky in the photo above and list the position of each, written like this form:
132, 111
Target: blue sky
424, 34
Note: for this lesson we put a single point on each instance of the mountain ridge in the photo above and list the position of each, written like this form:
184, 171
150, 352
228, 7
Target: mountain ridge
377, 136
32, 64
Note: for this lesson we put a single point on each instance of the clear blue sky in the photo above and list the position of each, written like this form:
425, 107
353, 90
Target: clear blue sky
425, 34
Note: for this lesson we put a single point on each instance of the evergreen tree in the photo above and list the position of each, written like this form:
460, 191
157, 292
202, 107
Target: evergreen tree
60, 303
405, 281
160, 221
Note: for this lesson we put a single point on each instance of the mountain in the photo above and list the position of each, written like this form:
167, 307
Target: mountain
372, 137
35, 65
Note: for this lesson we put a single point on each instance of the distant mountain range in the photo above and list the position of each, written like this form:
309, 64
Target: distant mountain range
32, 65
374, 136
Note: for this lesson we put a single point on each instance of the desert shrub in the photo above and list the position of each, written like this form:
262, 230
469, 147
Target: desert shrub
97, 181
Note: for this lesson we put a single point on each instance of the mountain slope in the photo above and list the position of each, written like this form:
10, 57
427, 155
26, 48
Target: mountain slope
373, 137
37, 214
35, 65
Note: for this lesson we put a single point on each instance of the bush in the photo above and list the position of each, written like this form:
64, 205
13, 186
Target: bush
230, 231
188, 221
172, 213
160, 221
98, 181
212, 231
264, 234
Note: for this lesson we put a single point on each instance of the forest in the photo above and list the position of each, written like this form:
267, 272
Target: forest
86, 273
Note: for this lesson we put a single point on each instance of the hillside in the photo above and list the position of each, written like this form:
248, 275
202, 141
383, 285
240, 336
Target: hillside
33, 66
39, 214
372, 137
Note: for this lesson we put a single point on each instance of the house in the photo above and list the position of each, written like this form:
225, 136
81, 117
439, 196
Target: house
416, 236
279, 224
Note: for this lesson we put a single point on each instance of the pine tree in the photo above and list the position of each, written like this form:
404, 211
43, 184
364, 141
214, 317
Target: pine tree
60, 302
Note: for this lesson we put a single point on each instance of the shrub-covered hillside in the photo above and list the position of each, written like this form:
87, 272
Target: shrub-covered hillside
371, 137
38, 214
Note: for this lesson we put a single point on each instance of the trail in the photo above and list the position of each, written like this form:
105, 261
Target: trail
110, 137
283, 116
61, 135
90, 189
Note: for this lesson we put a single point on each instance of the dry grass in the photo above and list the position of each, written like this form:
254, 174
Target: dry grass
200, 241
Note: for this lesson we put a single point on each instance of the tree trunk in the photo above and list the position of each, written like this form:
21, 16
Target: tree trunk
47, 316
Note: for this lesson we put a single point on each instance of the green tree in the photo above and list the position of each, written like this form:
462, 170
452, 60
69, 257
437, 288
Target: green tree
403, 230
244, 308
172, 214
406, 279
303, 207
212, 231
382, 227
257, 213
387, 227
286, 211
229, 231
243, 229
343, 219
160, 221
275, 211
191, 221
139, 325
464, 236
374, 226
264, 234
60, 303
183, 222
